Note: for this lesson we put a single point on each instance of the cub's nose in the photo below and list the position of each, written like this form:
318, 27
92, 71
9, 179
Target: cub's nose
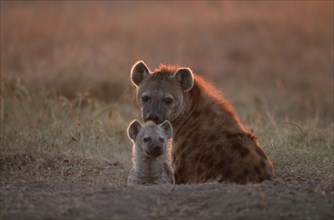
158, 148
155, 150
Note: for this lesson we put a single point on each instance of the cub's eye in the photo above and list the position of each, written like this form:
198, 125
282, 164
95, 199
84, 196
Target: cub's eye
161, 140
145, 98
168, 101
147, 139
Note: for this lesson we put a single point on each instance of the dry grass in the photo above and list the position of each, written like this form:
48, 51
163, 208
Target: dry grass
53, 138
66, 98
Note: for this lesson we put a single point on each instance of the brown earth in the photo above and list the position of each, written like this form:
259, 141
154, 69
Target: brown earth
269, 200
101, 193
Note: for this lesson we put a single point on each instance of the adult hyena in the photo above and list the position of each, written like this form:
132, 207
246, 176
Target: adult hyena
209, 143
150, 153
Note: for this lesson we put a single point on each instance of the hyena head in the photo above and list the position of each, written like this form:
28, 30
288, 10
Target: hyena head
160, 94
150, 139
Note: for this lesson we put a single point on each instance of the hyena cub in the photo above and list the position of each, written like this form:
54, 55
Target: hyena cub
150, 153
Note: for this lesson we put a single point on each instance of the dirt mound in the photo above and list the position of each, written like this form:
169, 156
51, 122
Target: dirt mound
269, 200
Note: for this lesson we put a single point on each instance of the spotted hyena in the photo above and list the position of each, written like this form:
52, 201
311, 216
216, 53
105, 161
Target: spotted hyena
210, 143
149, 153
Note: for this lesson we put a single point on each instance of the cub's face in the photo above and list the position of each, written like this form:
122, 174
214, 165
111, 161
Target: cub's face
160, 95
150, 138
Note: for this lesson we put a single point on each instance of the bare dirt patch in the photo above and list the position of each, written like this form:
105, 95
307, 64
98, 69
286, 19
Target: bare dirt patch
269, 200
54, 190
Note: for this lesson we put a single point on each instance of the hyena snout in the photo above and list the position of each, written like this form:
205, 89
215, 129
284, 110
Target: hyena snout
153, 116
155, 150
158, 148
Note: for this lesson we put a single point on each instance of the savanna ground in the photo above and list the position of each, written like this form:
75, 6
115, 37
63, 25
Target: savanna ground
66, 100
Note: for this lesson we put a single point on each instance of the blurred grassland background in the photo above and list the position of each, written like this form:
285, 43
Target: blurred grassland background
66, 96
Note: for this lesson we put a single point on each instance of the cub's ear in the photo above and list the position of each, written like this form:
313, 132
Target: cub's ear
167, 128
139, 72
134, 129
186, 77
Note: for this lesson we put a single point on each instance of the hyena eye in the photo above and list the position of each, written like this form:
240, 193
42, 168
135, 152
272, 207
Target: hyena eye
145, 98
147, 139
161, 140
168, 101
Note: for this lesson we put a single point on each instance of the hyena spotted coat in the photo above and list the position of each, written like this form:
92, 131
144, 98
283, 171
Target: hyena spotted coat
209, 143
150, 153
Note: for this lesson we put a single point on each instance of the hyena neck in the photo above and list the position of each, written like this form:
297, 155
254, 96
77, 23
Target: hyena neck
148, 168
191, 103
206, 104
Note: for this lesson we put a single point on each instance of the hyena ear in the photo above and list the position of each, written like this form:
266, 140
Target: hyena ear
134, 129
167, 128
186, 77
139, 72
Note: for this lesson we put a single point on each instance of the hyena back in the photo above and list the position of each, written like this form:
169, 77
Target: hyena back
149, 153
209, 143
